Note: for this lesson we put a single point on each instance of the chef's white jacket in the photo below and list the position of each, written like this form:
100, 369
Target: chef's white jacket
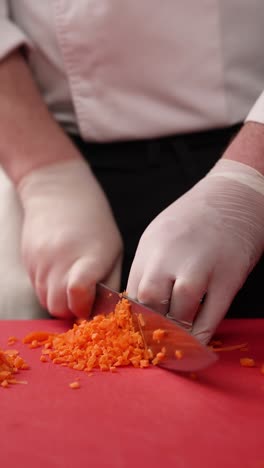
124, 69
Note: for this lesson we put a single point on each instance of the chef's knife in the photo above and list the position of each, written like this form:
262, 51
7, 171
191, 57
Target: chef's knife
183, 351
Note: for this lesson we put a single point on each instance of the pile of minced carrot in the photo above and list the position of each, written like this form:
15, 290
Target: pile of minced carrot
106, 342
10, 364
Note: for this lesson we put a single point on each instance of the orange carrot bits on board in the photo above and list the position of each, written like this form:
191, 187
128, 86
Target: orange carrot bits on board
158, 334
43, 358
5, 384
239, 347
247, 362
10, 364
75, 385
179, 353
141, 320
36, 337
11, 340
105, 342
158, 358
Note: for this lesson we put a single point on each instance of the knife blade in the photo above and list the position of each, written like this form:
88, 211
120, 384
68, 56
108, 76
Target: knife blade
183, 351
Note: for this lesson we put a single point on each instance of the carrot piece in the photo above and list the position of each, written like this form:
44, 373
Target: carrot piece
10, 364
37, 336
179, 353
5, 375
149, 353
247, 362
74, 385
229, 348
158, 334
5, 384
158, 358
11, 340
141, 320
15, 381
43, 358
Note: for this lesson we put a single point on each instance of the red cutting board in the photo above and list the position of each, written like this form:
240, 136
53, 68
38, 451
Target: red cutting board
135, 418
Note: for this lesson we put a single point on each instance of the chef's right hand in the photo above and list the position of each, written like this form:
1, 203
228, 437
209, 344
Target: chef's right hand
70, 240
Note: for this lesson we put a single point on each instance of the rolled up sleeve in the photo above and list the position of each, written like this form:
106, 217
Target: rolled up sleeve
11, 37
256, 114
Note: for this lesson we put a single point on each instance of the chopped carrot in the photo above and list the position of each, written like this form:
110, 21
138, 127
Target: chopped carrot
105, 342
15, 381
158, 358
150, 353
158, 334
247, 362
141, 320
178, 353
160, 355
36, 337
10, 364
43, 358
12, 340
229, 348
155, 361
74, 385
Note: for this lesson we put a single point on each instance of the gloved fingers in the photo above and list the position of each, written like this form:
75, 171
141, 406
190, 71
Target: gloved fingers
154, 291
41, 291
47, 277
81, 286
37, 265
113, 279
212, 311
133, 281
82, 280
30, 266
186, 298
57, 303
151, 286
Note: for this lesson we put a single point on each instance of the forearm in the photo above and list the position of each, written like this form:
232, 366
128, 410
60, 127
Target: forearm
30, 137
248, 146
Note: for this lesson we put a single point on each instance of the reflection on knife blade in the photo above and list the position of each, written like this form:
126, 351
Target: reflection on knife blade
176, 348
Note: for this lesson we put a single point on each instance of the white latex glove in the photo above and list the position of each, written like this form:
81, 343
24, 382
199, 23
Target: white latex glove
207, 241
70, 240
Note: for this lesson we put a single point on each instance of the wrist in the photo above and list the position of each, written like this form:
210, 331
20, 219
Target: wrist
243, 161
20, 165
240, 173
56, 177
248, 147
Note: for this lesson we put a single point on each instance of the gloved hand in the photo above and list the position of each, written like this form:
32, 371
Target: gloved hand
207, 241
70, 240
